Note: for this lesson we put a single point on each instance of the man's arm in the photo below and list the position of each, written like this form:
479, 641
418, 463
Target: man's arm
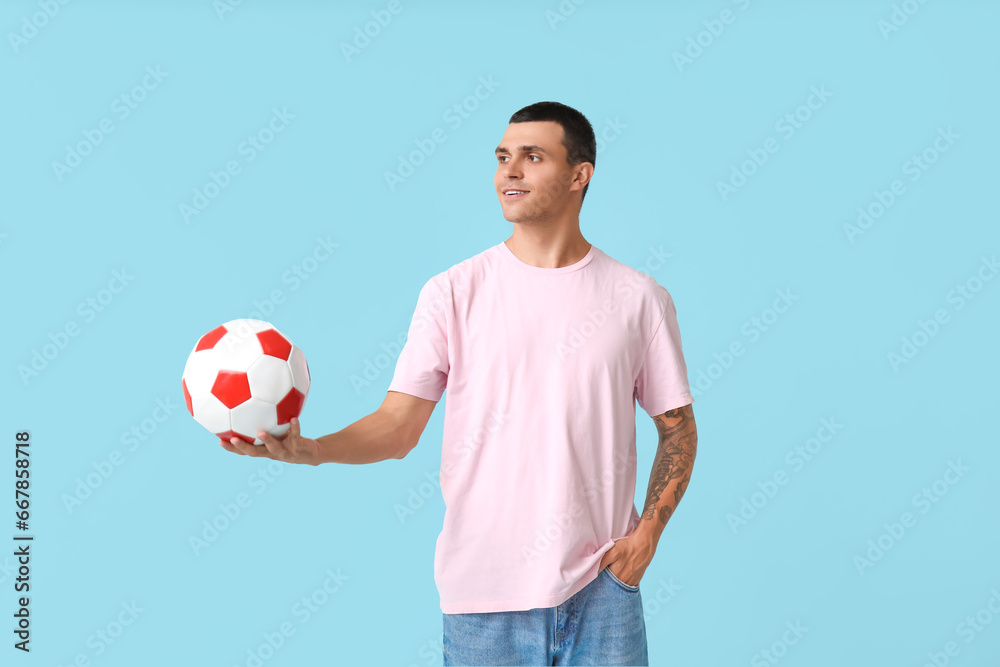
388, 433
671, 470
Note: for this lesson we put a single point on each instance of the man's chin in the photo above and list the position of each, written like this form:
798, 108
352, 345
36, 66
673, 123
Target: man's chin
510, 216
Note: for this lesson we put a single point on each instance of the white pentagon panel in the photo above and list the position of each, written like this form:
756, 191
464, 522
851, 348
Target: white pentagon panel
200, 371
236, 352
211, 413
300, 370
254, 415
270, 380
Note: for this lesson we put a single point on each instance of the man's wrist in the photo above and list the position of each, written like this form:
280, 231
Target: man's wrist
647, 531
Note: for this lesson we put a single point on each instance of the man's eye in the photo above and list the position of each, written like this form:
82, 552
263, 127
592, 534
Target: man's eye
501, 158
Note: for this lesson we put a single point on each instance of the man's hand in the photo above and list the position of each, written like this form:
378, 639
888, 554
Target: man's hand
290, 448
631, 556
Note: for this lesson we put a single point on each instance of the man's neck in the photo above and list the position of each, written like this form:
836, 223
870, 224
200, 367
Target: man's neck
552, 250
554, 254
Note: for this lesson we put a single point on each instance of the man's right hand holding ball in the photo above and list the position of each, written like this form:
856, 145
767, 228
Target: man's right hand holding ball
290, 448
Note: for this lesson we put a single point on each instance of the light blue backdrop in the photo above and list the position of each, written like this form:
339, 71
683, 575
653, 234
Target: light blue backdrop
738, 142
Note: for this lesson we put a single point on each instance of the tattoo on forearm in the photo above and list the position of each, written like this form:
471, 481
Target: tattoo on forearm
674, 458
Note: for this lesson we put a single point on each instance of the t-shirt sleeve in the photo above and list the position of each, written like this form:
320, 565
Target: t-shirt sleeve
662, 382
422, 366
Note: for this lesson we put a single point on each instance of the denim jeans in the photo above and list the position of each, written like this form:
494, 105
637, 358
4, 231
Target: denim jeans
602, 624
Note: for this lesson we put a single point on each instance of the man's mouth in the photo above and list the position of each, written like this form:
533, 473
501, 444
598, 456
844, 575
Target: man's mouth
514, 194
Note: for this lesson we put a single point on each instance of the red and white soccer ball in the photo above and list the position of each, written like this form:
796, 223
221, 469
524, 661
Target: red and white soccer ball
244, 377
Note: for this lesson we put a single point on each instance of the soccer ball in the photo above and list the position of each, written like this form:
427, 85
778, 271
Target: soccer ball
245, 377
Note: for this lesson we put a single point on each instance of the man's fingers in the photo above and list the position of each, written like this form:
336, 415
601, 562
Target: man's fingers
229, 447
272, 445
244, 447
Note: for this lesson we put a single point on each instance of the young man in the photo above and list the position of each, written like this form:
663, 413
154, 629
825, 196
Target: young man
544, 344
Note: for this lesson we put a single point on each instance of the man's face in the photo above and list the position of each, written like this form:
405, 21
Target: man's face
531, 157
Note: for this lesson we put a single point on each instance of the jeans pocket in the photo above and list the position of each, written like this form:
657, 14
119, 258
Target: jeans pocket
630, 589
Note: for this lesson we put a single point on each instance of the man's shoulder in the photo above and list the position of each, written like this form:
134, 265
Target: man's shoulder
458, 277
470, 266
632, 281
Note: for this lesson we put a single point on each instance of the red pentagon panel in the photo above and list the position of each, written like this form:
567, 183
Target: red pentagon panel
209, 340
228, 435
274, 344
290, 406
231, 387
187, 396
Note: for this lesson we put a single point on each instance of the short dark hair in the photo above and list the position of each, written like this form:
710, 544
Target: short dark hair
578, 134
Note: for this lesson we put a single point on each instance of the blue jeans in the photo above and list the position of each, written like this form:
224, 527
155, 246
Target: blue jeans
602, 624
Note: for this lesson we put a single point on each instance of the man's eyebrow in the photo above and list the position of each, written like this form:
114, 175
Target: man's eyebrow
523, 149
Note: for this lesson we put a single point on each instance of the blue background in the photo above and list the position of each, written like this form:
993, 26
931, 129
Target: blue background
672, 130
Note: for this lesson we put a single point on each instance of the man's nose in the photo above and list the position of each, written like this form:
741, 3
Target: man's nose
511, 170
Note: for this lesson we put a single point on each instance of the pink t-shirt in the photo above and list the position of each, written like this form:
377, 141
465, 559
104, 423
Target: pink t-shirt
543, 368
